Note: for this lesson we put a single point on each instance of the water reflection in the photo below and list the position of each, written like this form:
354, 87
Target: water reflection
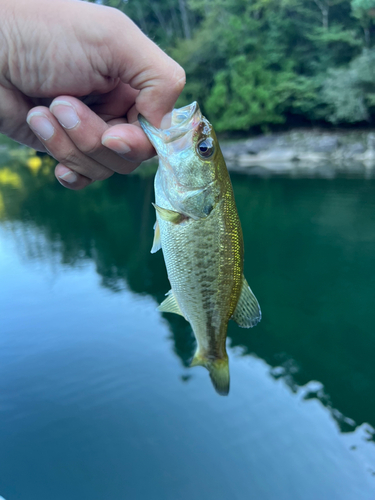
309, 253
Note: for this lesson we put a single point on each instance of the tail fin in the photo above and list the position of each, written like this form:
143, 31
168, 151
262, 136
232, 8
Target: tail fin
218, 370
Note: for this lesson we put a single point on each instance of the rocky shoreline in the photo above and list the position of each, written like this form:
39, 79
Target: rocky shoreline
309, 151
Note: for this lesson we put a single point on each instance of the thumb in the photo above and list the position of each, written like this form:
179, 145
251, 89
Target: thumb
145, 67
160, 93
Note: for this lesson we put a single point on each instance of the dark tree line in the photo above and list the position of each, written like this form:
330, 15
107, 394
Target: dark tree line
256, 63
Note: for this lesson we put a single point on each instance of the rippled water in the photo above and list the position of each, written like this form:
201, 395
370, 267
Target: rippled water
96, 397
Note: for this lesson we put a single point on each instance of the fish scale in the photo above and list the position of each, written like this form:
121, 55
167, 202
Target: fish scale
205, 282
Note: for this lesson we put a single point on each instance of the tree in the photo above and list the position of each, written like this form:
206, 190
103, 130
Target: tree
259, 62
364, 11
349, 93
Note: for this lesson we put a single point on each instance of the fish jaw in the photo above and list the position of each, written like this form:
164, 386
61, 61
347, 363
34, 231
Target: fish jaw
188, 180
176, 146
174, 139
182, 121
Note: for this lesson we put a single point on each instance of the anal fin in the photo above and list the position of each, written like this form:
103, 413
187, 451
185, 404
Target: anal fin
247, 313
170, 304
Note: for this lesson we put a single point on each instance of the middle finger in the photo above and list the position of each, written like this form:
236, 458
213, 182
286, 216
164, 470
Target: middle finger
85, 129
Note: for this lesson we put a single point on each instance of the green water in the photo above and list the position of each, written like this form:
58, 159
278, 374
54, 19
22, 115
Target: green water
97, 400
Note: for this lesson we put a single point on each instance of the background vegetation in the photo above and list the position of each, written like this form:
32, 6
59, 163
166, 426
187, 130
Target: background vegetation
258, 63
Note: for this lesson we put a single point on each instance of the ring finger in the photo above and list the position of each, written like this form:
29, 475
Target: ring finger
62, 148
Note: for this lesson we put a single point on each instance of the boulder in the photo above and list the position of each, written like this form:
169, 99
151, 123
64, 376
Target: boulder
232, 150
311, 157
353, 149
267, 157
325, 144
258, 144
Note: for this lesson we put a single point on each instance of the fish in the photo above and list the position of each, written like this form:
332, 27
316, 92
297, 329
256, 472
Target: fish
199, 232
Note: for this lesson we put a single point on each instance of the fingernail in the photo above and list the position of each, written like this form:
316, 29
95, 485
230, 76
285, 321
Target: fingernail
69, 177
40, 125
166, 121
116, 144
65, 113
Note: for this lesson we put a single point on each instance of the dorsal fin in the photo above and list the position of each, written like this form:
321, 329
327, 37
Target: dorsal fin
170, 305
247, 313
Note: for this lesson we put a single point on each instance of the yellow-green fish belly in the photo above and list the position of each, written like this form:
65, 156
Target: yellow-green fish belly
204, 260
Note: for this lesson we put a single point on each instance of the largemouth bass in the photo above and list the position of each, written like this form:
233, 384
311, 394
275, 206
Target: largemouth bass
198, 229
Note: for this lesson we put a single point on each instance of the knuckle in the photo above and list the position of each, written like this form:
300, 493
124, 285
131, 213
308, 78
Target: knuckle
82, 186
179, 79
128, 167
85, 166
88, 143
91, 148
101, 174
70, 158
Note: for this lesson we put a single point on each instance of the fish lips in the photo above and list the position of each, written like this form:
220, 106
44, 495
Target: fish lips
178, 137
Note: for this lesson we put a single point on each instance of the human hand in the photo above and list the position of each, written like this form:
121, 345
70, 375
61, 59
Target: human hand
95, 70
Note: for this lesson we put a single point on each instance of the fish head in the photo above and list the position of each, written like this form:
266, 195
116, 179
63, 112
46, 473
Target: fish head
189, 158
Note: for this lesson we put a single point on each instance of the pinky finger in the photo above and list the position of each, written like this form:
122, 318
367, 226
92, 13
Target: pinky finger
70, 179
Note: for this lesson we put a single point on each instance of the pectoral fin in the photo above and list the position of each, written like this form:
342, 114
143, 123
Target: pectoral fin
169, 215
156, 245
247, 313
169, 305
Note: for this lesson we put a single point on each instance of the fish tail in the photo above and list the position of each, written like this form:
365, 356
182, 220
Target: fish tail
218, 369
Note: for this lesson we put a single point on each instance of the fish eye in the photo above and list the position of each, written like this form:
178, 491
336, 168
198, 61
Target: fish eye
206, 148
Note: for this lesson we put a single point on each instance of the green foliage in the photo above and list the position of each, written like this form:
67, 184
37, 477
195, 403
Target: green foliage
259, 62
245, 95
344, 97
350, 92
363, 5
300, 96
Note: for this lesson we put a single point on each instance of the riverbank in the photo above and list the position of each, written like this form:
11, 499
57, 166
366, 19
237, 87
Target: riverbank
306, 151
300, 152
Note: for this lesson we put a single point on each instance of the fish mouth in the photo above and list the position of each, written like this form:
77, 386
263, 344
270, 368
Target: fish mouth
183, 121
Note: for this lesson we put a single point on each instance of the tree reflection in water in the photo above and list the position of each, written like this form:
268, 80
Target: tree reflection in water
309, 248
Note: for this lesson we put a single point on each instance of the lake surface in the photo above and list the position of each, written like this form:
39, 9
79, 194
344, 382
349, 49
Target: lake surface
97, 400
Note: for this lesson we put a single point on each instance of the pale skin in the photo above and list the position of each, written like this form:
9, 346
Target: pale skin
73, 78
